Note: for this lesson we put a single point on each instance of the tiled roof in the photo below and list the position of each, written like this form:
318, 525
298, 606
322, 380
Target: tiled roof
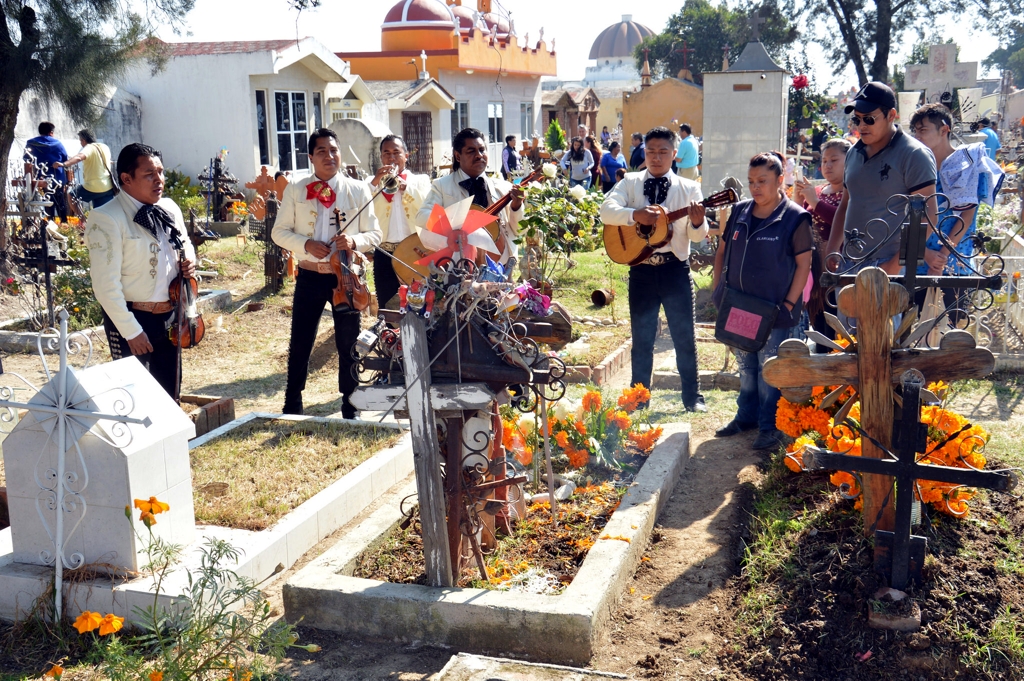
231, 47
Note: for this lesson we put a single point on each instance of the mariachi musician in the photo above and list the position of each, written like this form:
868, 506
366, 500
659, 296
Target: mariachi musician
137, 246
469, 178
395, 211
304, 226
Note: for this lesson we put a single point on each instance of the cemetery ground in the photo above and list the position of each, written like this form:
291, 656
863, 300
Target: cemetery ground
753, 572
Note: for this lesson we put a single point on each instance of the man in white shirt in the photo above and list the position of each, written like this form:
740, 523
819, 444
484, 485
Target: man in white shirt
663, 280
137, 244
469, 178
396, 212
304, 227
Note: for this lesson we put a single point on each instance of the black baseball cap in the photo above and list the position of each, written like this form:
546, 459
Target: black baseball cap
873, 95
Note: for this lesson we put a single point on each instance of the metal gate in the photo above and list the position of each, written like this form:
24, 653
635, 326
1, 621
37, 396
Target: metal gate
417, 131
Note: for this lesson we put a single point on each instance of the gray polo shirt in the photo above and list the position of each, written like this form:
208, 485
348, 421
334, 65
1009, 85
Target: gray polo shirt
902, 167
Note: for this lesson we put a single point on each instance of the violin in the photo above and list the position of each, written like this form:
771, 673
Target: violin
189, 328
349, 268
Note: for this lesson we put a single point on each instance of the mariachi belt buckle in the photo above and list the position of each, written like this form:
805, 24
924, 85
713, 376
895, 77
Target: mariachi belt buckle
657, 259
324, 268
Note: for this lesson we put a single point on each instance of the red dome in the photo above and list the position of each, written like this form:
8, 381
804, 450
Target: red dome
465, 16
419, 13
496, 23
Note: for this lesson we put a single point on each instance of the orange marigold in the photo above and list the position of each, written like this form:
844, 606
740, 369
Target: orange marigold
646, 440
562, 439
632, 398
619, 418
524, 455
578, 458
580, 427
592, 401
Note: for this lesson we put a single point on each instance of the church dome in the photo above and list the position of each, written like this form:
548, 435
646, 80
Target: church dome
619, 40
496, 23
419, 14
465, 16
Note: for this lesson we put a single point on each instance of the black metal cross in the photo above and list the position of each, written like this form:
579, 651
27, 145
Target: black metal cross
910, 437
755, 22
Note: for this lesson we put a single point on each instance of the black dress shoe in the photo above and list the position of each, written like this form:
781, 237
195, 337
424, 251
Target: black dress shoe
292, 408
700, 407
768, 439
734, 427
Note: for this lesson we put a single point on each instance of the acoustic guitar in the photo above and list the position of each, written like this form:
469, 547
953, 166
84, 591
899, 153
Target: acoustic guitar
411, 247
632, 244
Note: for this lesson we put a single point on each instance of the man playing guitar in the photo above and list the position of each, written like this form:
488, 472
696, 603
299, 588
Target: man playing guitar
469, 178
664, 278
396, 212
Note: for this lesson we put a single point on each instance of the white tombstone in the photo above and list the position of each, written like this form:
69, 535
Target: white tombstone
941, 74
970, 103
745, 113
908, 103
122, 462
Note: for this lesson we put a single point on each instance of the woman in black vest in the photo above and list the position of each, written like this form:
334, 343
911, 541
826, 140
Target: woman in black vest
769, 257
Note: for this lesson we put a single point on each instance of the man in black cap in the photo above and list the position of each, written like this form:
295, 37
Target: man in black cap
884, 162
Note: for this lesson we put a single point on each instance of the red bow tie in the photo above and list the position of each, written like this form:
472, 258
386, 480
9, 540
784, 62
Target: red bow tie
322, 192
387, 196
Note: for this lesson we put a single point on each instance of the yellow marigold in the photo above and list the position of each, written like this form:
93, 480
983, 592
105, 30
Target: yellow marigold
111, 624
147, 518
153, 505
578, 458
524, 455
87, 621
508, 429
562, 439
592, 401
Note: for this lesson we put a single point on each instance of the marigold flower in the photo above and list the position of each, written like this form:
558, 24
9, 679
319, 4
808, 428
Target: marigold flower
580, 427
156, 676
578, 458
153, 505
87, 621
54, 672
619, 418
562, 439
111, 624
147, 518
592, 401
311, 648
524, 455
632, 398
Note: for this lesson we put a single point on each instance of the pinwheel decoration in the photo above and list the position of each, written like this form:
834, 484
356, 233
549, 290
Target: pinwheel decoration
455, 232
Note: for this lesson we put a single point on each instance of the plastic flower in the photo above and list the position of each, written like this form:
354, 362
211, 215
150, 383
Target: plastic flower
54, 672
111, 624
153, 506
87, 621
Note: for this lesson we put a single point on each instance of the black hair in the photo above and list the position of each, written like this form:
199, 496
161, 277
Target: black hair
393, 138
936, 113
509, 138
315, 136
637, 136
279, 173
573, 153
128, 159
611, 147
459, 142
46, 128
985, 121
87, 135
660, 133
685, 127
620, 173
773, 160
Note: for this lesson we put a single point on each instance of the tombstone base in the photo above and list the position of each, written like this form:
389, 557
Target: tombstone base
889, 611
466, 667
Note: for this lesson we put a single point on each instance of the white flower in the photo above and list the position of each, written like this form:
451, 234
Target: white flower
535, 185
550, 170
527, 424
563, 408
578, 192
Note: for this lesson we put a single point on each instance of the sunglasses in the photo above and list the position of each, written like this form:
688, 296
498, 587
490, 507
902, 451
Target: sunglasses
868, 120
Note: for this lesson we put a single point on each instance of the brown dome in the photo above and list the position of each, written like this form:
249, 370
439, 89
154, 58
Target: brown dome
414, 13
496, 23
619, 40
465, 16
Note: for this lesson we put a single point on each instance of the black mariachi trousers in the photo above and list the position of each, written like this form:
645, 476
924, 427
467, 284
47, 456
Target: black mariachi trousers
164, 362
312, 291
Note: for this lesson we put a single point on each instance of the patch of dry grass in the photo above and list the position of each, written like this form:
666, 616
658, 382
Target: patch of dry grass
271, 466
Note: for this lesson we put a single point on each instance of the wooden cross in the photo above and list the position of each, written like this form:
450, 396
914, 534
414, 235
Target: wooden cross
685, 51
900, 553
874, 368
799, 158
264, 184
755, 22
942, 73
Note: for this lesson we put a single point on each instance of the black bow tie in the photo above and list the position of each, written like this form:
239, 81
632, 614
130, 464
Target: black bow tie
156, 219
477, 188
656, 190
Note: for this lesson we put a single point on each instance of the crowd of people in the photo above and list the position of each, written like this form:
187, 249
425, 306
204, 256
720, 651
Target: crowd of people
771, 247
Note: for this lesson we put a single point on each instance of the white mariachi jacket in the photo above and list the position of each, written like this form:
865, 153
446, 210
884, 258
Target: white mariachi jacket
628, 195
447, 191
119, 258
296, 219
417, 187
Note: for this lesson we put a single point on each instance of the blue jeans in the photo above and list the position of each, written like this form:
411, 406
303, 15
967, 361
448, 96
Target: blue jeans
585, 182
650, 288
95, 199
757, 400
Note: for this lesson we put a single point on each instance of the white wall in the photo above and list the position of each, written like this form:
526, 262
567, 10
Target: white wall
738, 125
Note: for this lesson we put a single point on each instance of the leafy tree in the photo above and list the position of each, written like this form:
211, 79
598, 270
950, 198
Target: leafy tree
707, 29
863, 32
1010, 57
555, 136
66, 50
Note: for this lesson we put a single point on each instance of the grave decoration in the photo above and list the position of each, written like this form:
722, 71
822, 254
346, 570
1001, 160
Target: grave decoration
942, 74
37, 239
872, 364
92, 440
456, 348
219, 186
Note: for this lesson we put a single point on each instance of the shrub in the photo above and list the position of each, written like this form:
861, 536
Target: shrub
555, 137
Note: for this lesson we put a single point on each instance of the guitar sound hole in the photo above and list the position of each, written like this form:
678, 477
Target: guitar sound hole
644, 231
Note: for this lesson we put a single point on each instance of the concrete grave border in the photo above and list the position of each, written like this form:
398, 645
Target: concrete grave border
562, 629
264, 553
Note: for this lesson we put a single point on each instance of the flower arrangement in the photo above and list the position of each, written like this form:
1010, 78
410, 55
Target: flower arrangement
558, 222
239, 208
952, 441
593, 428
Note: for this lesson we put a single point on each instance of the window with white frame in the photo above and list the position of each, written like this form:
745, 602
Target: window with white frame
526, 120
292, 130
495, 122
460, 117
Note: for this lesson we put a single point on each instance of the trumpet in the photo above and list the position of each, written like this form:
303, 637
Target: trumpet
390, 183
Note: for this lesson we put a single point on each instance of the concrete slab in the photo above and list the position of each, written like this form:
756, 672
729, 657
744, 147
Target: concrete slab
466, 667
560, 629
262, 553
